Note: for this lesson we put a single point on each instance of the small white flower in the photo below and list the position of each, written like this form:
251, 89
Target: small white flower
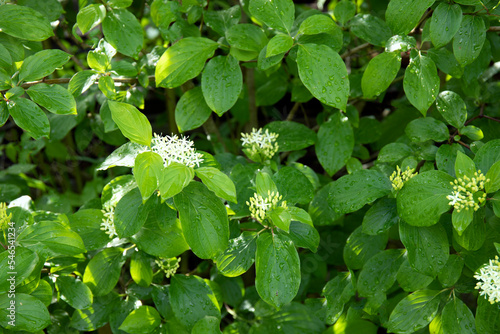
175, 149
454, 197
260, 143
489, 281
108, 224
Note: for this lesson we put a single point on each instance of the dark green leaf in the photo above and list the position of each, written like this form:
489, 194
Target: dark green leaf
451, 272
446, 62
25, 23
371, 28
344, 11
42, 64
394, 152
338, 291
410, 280
445, 22
124, 32
469, 39
360, 247
379, 272
103, 271
87, 223
191, 111
22, 264
474, 235
464, 166
96, 316
130, 214
487, 316
380, 73
222, 20
494, 176
402, 16
451, 106
458, 318
428, 128
294, 186
278, 14
29, 117
487, 155
380, 217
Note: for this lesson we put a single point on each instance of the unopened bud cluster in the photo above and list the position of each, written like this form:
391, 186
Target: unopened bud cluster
4, 218
108, 224
176, 149
398, 178
259, 206
260, 143
489, 281
464, 189
168, 266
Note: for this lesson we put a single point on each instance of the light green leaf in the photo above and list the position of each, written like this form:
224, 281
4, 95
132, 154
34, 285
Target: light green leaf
140, 269
204, 220
461, 220
25, 23
173, 179
445, 22
147, 168
402, 16
43, 292
323, 72
472, 132
458, 318
264, 184
451, 106
221, 20
469, 39
277, 268
335, 143
317, 24
143, 320
183, 61
292, 136
421, 82
379, 272
221, 83
423, 200
119, 3
103, 271
54, 98
207, 325
414, 312
25, 262
371, 28
130, 214
82, 81
246, 40
75, 293
280, 217
380, 73
192, 299
427, 246
278, 14
132, 123
427, 128
90, 17
351, 192
42, 64
279, 44
124, 32
239, 256
344, 11
31, 315
217, 182
29, 117
464, 166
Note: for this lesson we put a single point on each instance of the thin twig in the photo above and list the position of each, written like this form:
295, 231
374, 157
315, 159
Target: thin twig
354, 50
61, 81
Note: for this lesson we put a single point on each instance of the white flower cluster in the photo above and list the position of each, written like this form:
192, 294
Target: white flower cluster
259, 142
169, 266
464, 189
108, 224
260, 205
489, 281
176, 149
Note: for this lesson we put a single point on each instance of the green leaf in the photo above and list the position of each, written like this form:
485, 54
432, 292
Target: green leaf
103, 271
183, 61
264, 184
428, 247
25, 23
446, 62
53, 238
75, 293
461, 220
264, 63
42, 64
469, 39
173, 179
140, 269
147, 168
487, 316
123, 32
132, 123
107, 87
24, 263
380, 217
246, 40
303, 234
360, 247
473, 237
487, 155
402, 16
324, 73
451, 106
130, 214
204, 220
119, 3
458, 318
280, 217
192, 111
335, 143
96, 316
371, 28
292, 136
410, 280
427, 128
278, 14
380, 73
221, 83
54, 98
494, 176
90, 17
294, 186
143, 320
217, 182
472, 132
351, 192
279, 44
464, 166
451, 272
445, 22
400, 43
192, 299
221, 20
317, 24
161, 235
5, 80
87, 223
414, 312
421, 82
394, 152
338, 291
29, 312
423, 198
116, 189
379, 272
277, 268
82, 81
344, 11
207, 325
239, 256
43, 292
446, 156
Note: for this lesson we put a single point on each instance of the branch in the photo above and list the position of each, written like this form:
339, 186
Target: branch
61, 81
355, 50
